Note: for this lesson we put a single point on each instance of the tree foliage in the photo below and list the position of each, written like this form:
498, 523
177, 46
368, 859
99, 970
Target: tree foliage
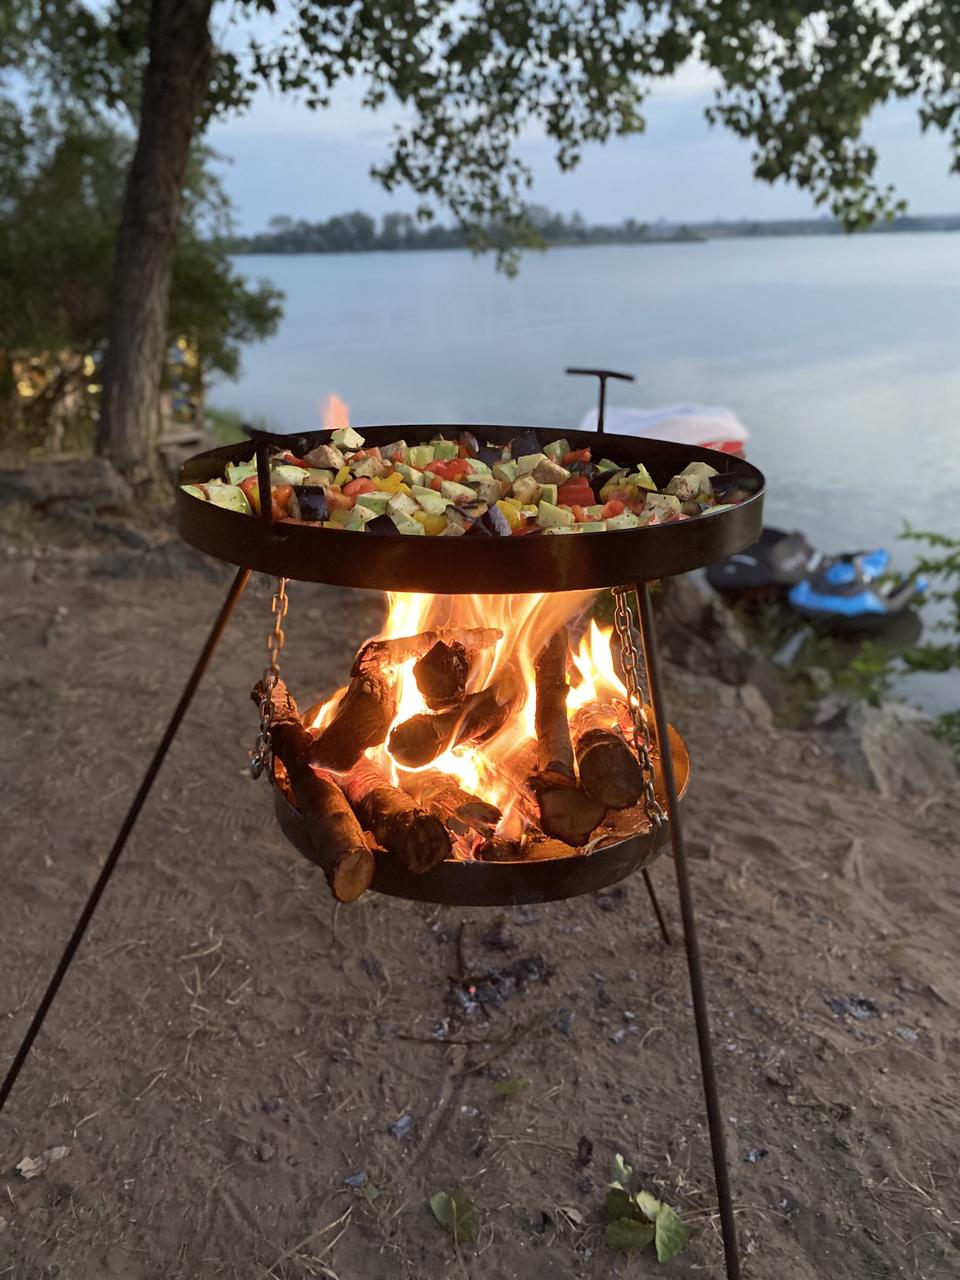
796, 81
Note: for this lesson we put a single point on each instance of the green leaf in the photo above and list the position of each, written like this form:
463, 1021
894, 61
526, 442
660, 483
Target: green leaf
628, 1233
454, 1210
509, 1088
650, 1206
370, 1193
622, 1172
671, 1234
619, 1204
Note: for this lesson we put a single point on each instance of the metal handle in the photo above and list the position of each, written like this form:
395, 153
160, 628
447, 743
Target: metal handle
603, 375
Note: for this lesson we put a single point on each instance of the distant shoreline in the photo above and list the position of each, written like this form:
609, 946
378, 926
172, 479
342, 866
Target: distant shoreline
358, 233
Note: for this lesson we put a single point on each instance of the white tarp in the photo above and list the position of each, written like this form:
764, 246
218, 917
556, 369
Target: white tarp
694, 424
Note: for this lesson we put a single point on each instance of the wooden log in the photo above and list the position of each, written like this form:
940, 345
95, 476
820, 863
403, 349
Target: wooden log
422, 738
396, 649
567, 813
554, 748
417, 839
536, 846
441, 675
609, 771
497, 849
442, 795
336, 837
361, 720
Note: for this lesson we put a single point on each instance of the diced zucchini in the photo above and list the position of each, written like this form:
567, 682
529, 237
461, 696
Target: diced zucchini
548, 493
453, 530
551, 517
528, 490
625, 521
432, 502
561, 528
606, 465
229, 496
401, 504
237, 471
529, 463
363, 512
285, 473
456, 492
642, 478
662, 505
593, 526
346, 438
375, 502
699, 469
489, 489
357, 519
316, 476
478, 468
410, 474
506, 471
406, 525
557, 449
445, 450
595, 510
368, 467
419, 455
194, 491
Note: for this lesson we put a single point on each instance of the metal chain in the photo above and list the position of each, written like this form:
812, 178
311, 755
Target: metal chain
260, 755
630, 660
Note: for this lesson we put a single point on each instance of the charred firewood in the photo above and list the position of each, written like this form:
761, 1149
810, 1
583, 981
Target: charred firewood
539, 847
554, 749
336, 837
422, 738
609, 771
442, 795
441, 674
567, 813
396, 649
499, 849
361, 720
417, 839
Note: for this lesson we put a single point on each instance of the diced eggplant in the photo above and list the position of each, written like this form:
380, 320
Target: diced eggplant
326, 456
312, 502
524, 444
470, 443
497, 522
490, 453
730, 488
471, 510
381, 524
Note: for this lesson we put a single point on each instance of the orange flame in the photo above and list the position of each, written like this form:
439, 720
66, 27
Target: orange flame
334, 412
527, 622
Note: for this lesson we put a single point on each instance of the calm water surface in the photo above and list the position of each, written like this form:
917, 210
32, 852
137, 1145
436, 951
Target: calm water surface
842, 356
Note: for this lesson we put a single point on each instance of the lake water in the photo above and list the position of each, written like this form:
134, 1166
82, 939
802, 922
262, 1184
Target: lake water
842, 356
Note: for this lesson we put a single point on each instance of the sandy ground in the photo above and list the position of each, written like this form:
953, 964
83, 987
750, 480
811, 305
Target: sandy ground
229, 1048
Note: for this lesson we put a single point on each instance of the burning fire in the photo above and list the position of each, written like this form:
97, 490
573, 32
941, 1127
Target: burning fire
490, 770
334, 412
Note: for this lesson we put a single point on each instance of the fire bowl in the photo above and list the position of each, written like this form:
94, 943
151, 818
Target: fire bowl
457, 883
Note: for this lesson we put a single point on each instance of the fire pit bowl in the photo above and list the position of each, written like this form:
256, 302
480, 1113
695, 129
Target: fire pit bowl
463, 566
460, 883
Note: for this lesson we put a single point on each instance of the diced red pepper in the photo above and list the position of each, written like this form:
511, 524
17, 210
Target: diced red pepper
435, 483
361, 485
450, 469
372, 452
576, 493
281, 499
251, 488
292, 459
579, 514
612, 508
576, 455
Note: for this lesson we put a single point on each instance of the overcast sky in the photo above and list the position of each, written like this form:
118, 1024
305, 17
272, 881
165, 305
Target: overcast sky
284, 159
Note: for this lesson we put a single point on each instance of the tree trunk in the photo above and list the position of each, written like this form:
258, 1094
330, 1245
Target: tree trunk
175, 86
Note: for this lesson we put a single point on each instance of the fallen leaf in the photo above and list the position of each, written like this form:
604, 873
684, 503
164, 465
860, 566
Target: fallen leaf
622, 1172
619, 1204
628, 1233
508, 1088
454, 1210
671, 1234
649, 1205
33, 1166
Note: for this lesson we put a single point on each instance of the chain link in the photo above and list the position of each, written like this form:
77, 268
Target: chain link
630, 661
260, 755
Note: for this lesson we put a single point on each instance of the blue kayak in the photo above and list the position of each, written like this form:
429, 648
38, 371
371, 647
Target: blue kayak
855, 592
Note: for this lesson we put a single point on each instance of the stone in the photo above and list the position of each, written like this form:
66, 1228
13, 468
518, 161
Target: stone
756, 706
891, 748
90, 481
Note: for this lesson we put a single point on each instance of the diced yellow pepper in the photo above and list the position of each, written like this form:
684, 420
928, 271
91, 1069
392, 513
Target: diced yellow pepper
512, 513
432, 525
393, 483
342, 476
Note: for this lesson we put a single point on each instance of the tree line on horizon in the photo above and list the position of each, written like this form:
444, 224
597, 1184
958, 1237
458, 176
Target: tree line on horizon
359, 232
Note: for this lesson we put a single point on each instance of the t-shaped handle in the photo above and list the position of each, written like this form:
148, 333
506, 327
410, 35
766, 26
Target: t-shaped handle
603, 375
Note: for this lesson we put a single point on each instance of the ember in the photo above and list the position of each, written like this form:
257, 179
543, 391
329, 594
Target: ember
470, 731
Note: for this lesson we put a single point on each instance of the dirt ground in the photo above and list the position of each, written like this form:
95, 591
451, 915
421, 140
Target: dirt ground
229, 1048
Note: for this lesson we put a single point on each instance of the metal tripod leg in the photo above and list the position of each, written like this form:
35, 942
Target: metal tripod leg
707, 1070
661, 920
223, 617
